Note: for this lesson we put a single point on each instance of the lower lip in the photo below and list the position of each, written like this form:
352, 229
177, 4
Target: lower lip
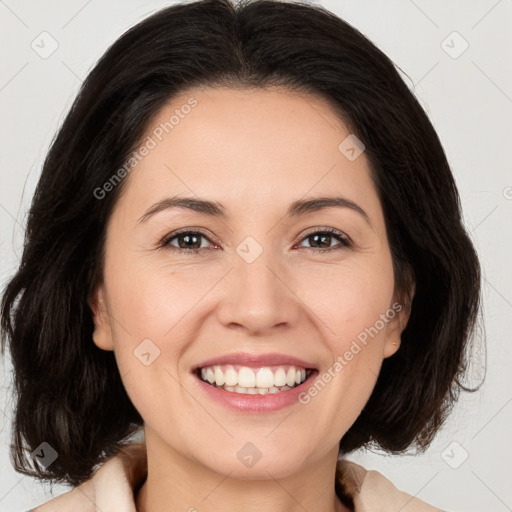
242, 402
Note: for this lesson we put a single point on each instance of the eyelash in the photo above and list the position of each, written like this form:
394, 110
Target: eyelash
344, 240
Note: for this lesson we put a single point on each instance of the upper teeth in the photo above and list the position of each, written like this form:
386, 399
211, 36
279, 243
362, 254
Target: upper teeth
244, 376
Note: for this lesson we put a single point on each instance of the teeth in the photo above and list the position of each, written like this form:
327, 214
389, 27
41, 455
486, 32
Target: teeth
210, 375
243, 379
231, 377
264, 378
219, 376
280, 377
246, 377
290, 377
254, 391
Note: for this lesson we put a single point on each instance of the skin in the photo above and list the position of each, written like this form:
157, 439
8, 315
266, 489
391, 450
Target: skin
255, 151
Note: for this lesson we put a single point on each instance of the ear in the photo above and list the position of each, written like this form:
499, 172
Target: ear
398, 323
102, 336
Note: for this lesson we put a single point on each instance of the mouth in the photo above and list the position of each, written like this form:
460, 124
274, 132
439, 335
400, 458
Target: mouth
250, 380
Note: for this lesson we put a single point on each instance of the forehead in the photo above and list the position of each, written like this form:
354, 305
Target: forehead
248, 149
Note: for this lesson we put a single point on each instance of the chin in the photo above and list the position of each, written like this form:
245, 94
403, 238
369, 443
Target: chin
253, 461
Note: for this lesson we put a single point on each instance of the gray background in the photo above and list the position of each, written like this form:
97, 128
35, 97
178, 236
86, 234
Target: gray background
468, 96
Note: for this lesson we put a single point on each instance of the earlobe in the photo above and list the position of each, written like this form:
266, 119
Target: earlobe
395, 329
391, 347
101, 341
393, 334
102, 335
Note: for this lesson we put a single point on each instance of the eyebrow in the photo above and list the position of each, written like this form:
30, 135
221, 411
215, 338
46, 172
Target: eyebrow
215, 209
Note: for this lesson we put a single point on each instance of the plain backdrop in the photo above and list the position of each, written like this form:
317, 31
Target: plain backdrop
456, 55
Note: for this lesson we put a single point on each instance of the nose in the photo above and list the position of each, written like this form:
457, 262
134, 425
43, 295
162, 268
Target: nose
258, 297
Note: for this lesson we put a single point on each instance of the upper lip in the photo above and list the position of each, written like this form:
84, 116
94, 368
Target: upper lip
247, 359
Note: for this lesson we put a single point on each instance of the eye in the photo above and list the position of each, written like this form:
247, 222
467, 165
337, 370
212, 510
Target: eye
190, 241
324, 237
187, 241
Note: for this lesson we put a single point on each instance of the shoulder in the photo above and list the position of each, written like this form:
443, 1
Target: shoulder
110, 489
371, 491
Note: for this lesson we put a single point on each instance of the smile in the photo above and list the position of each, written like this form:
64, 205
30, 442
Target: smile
254, 380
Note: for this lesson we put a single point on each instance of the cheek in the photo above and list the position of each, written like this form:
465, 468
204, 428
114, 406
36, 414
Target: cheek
151, 299
350, 307
352, 303
158, 309
156, 315
349, 298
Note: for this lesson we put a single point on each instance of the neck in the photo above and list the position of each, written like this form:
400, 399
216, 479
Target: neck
175, 482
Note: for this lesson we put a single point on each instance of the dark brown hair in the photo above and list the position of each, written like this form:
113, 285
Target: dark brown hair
69, 392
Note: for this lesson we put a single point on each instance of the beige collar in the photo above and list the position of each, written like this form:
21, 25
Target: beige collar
112, 487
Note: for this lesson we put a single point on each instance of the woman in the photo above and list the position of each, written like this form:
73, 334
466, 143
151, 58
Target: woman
247, 240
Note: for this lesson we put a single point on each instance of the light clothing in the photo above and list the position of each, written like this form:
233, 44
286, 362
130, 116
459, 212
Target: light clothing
111, 488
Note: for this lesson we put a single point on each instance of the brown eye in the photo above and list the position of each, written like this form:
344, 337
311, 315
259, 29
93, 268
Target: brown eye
321, 240
186, 240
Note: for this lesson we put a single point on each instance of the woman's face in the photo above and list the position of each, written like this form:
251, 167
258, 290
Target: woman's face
262, 279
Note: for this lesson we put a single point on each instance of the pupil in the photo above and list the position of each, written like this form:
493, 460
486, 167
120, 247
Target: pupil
187, 239
322, 238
